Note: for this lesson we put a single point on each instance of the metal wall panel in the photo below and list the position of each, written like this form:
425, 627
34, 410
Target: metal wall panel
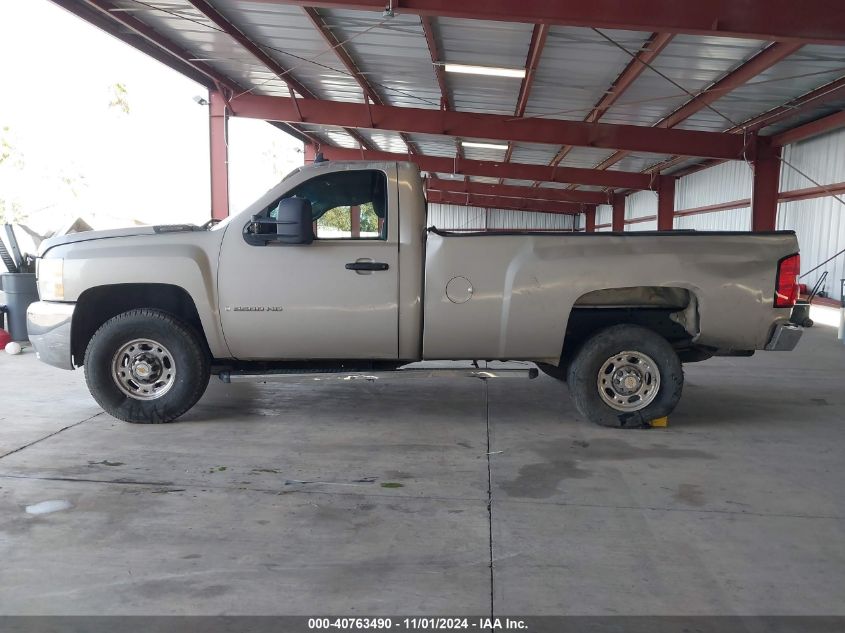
648, 225
730, 220
818, 222
822, 158
604, 215
639, 205
820, 226
722, 183
454, 217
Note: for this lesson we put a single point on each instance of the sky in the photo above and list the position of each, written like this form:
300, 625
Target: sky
65, 152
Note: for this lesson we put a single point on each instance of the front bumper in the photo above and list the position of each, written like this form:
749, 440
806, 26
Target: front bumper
48, 324
784, 337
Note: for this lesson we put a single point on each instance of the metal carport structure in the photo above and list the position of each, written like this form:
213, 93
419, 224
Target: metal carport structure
605, 98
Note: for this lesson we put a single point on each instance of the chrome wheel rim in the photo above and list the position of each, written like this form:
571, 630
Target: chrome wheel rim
143, 369
628, 381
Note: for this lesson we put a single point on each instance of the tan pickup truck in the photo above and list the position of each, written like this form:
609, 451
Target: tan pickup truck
335, 273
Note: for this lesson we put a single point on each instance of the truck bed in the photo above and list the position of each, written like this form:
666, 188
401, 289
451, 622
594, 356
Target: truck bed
525, 285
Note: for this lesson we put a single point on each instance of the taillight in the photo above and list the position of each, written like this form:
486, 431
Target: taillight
786, 289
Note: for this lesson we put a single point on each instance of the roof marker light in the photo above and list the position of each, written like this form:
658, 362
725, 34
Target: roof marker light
490, 71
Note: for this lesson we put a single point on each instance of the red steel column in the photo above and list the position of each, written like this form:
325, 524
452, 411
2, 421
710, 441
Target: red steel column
219, 154
309, 154
764, 190
618, 213
665, 203
590, 220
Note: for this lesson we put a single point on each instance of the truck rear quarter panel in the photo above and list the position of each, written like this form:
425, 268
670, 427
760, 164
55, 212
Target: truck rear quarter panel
525, 285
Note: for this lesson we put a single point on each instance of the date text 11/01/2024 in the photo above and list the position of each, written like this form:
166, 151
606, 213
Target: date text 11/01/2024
418, 623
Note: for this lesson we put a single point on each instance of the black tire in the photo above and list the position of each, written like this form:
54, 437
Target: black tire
189, 357
588, 361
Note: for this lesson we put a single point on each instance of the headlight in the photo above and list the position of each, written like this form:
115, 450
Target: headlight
51, 279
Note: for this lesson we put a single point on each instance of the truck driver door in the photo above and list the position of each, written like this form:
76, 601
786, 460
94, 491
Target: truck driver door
336, 297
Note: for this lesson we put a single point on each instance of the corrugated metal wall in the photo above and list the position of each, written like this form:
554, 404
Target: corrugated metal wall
818, 222
723, 183
641, 205
730, 220
454, 217
604, 215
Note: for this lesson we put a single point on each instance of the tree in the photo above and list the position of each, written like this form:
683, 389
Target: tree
11, 161
119, 97
340, 219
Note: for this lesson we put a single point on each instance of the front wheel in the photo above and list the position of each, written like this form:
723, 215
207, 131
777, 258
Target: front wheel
146, 366
625, 376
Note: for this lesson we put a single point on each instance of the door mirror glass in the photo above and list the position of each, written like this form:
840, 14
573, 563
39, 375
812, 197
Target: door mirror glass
293, 221
290, 223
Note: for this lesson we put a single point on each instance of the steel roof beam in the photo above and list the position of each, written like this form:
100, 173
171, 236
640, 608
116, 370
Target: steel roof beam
499, 202
183, 58
103, 21
436, 60
796, 107
151, 35
265, 59
256, 51
351, 67
647, 53
517, 171
512, 191
808, 21
829, 123
762, 61
535, 51
439, 73
489, 126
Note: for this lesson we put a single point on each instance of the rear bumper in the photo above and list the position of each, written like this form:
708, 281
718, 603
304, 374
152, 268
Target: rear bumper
48, 324
784, 338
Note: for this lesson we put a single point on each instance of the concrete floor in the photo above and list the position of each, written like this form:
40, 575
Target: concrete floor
373, 498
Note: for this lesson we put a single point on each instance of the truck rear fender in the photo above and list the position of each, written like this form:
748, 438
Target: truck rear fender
670, 311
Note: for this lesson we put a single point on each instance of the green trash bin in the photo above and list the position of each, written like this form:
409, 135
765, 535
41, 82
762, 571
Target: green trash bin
19, 290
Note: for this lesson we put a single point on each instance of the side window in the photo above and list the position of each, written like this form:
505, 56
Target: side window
345, 205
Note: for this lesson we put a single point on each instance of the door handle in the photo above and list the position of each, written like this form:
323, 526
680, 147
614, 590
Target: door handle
367, 266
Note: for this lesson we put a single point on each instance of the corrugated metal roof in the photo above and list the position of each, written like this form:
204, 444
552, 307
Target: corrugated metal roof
576, 69
482, 43
693, 62
391, 53
638, 162
191, 30
801, 72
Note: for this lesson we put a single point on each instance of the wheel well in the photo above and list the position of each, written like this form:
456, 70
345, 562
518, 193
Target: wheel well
97, 305
668, 311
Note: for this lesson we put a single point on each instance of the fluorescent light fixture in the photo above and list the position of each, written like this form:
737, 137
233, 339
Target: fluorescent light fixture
483, 145
491, 71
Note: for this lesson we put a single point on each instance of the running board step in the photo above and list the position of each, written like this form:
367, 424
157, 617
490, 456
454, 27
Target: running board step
485, 373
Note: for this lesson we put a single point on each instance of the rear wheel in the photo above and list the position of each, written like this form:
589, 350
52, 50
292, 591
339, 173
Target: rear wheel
625, 376
146, 366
